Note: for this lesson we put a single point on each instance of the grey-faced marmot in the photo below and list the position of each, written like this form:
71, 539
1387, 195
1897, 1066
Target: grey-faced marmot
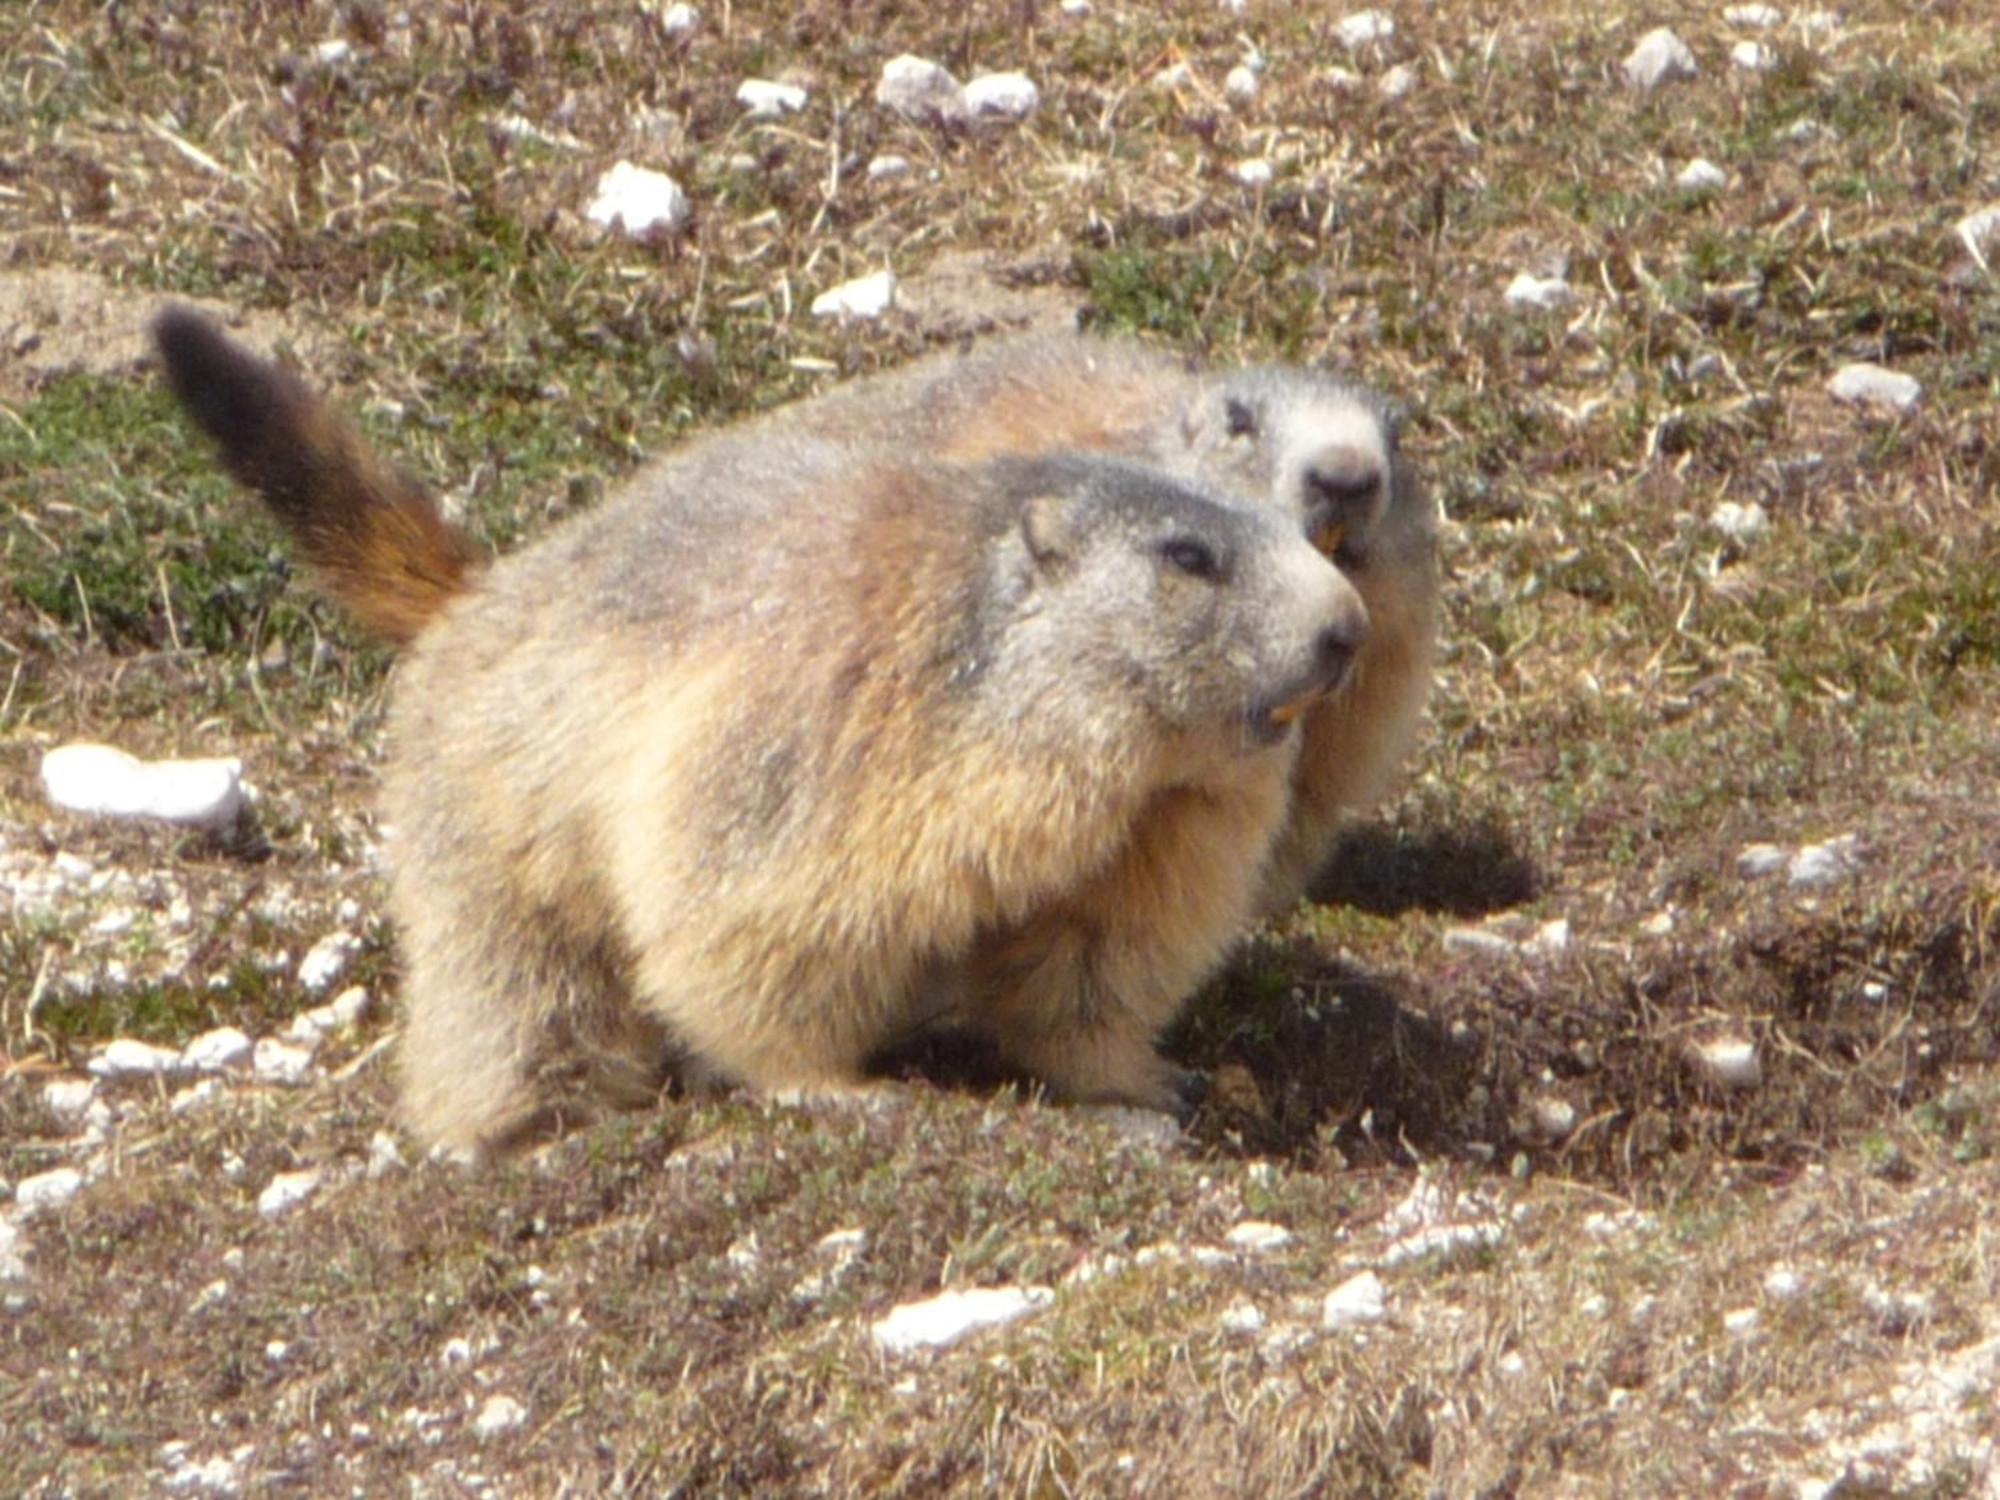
791, 741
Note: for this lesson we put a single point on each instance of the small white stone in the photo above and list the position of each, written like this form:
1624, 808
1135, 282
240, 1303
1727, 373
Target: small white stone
948, 1317
1821, 864
1979, 229
500, 1415
1443, 1242
273, 1061
1864, 382
1757, 860
638, 202
1341, 80
384, 1155
1754, 17
327, 960
1240, 86
287, 1191
192, 1097
1364, 28
1256, 172
1174, 76
1357, 1300
1660, 57
1550, 938
276, 1350
12, 1266
1659, 924
1478, 940
68, 1098
1742, 1322
521, 128
1740, 523
1256, 1237
1728, 1061
1541, 293
1752, 57
1701, 176
46, 1190
1596, 1305
333, 50
1242, 1318
349, 1008
1552, 1119
114, 923
1805, 130
765, 99
98, 779
1003, 97
679, 20
127, 1057
865, 297
1397, 82
918, 89
1782, 1284
843, 1242
1819, 23
888, 168
223, 1050
1077, 10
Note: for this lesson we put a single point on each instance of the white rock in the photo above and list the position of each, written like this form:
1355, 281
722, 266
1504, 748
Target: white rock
1004, 97
332, 51
1443, 1242
948, 1317
1754, 17
1782, 1284
1659, 924
288, 1190
1552, 1119
1542, 293
1741, 1322
1806, 130
1242, 1318
349, 1008
276, 1350
1397, 82
1478, 940
865, 297
99, 779
1660, 57
1077, 10
12, 1266
384, 1155
273, 1061
1759, 859
127, 1057
500, 1415
1256, 172
1819, 23
68, 1098
327, 960
1701, 176
765, 99
1255, 1237
521, 128
1728, 1061
223, 1050
679, 20
1864, 382
1752, 57
1341, 80
919, 89
1979, 229
638, 202
1550, 939
192, 1097
1363, 28
46, 1190
1357, 1300
1240, 86
1174, 76
1740, 523
888, 168
843, 1242
1821, 864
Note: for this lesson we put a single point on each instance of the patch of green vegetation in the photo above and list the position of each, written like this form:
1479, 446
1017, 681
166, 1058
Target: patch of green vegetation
1171, 291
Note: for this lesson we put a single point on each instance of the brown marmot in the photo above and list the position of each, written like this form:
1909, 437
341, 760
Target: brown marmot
792, 743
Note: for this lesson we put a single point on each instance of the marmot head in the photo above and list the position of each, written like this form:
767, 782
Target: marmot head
1324, 451
1218, 622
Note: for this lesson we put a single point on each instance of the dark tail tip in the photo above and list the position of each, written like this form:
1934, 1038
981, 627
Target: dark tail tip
223, 386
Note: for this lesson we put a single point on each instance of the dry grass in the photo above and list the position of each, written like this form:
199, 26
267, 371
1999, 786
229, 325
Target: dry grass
1628, 697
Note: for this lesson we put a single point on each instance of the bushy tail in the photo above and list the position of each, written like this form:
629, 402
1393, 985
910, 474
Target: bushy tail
372, 534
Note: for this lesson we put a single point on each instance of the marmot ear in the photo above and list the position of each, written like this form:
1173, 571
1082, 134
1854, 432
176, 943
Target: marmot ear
1046, 526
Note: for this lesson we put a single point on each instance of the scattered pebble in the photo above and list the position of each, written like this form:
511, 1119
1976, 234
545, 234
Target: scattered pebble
1740, 523
1754, 17
1397, 82
1242, 1318
500, 1415
1174, 76
1443, 1242
127, 1057
1752, 57
384, 1155
68, 1098
866, 297
1478, 940
1006, 98
919, 89
1357, 1300
333, 51
521, 128
1701, 176
1730, 1062
287, 1191
1240, 86
1542, 293
1659, 924
220, 1475
1660, 57
12, 1266
1255, 173
192, 1097
1863, 382
327, 960
99, 779
1782, 1284
46, 1190
948, 1317
888, 168
1978, 230
679, 20
1255, 1237
638, 202
1741, 1322
226, 1049
1760, 859
1549, 939
1364, 28
273, 1061
349, 1008
767, 100
1550, 1118
1821, 864
1077, 10
1341, 80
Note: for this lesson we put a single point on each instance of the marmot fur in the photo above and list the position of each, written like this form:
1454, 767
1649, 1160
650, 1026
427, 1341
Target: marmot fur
791, 743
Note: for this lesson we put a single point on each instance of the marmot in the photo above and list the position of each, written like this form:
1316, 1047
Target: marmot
789, 743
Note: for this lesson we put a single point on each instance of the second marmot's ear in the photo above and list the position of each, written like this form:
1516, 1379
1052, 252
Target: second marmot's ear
1049, 530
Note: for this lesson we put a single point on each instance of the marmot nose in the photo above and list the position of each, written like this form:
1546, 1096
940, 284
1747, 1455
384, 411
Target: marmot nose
1333, 652
1342, 477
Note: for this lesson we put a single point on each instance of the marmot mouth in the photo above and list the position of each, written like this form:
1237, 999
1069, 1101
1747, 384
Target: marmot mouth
1271, 722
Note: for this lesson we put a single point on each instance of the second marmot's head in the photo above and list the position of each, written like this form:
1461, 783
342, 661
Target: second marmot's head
1124, 586
1328, 452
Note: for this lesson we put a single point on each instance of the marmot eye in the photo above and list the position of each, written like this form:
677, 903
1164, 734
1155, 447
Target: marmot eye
1193, 557
1240, 420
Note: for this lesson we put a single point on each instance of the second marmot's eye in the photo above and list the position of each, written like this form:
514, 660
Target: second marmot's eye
1192, 557
1240, 420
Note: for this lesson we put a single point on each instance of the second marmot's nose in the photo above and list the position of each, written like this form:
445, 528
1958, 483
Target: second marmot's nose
1334, 648
1344, 477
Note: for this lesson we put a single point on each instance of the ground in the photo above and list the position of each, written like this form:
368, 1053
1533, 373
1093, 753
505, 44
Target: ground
1675, 1177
